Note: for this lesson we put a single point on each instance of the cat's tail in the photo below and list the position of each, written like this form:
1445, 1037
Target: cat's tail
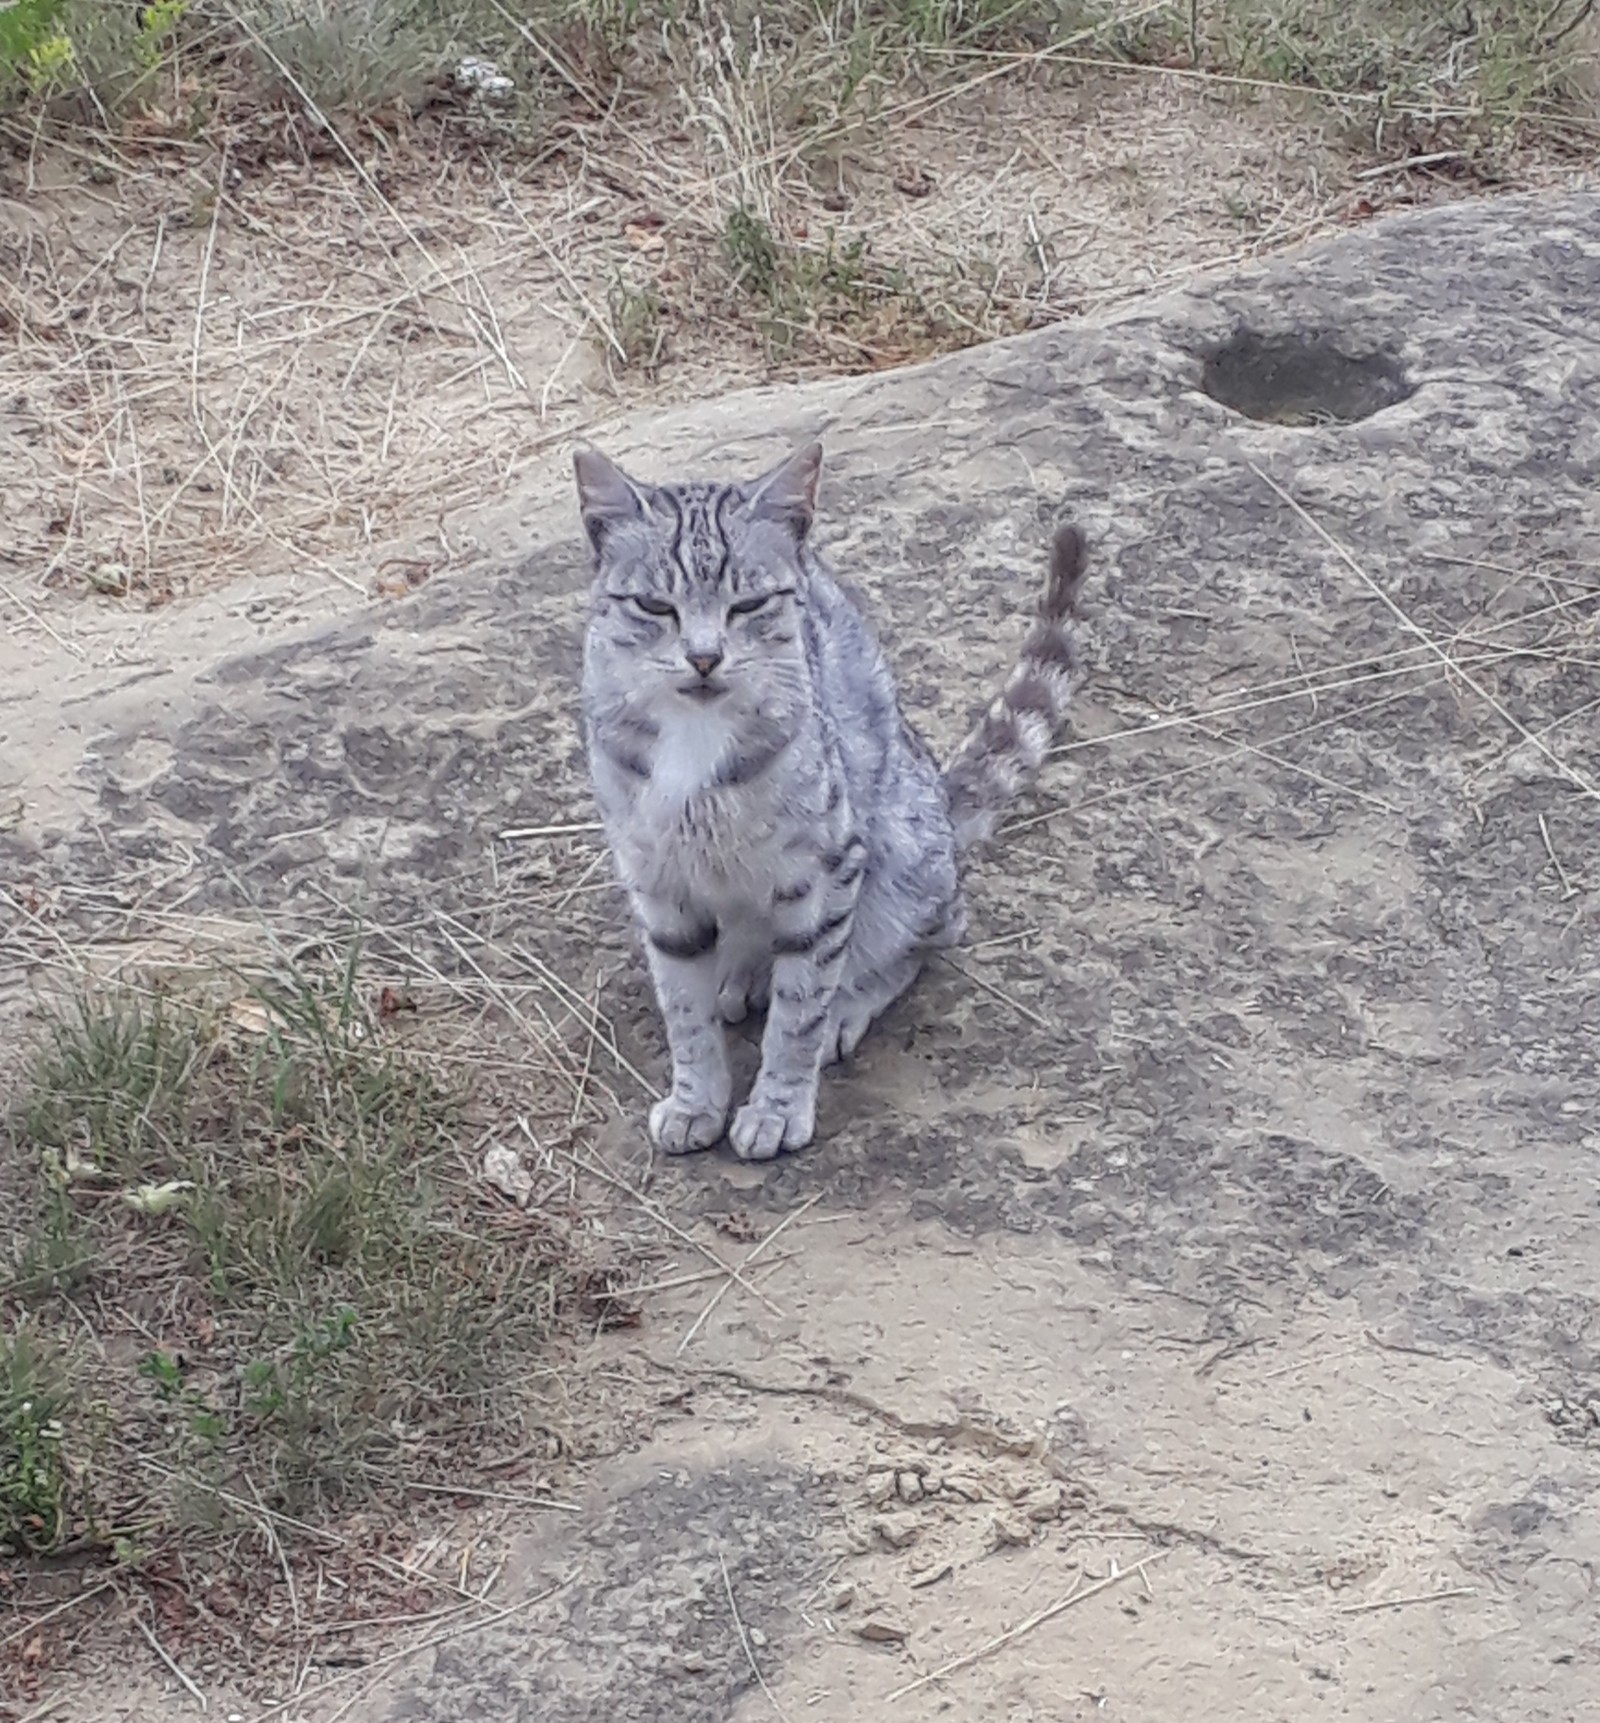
1007, 746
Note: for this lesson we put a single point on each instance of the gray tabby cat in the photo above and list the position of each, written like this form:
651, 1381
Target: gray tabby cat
785, 836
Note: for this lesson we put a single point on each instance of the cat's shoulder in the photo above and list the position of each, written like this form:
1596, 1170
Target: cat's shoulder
837, 593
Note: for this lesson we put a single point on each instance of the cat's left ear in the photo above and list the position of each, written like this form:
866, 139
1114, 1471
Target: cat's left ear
788, 493
606, 494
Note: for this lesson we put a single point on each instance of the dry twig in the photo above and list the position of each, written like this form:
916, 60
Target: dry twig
1079, 1594
744, 1637
1402, 1602
717, 1296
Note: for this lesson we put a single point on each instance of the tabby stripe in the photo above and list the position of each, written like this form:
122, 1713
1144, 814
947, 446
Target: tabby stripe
722, 533
633, 764
934, 920
811, 1025
677, 527
999, 732
743, 767
695, 943
834, 951
1048, 647
1029, 693
797, 944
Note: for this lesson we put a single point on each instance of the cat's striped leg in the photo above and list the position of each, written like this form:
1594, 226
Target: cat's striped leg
682, 950
811, 938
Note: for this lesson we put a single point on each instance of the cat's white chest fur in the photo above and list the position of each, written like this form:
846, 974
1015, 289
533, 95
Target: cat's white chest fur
694, 742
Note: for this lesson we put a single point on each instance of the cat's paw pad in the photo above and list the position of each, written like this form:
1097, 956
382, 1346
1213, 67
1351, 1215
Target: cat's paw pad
761, 1130
680, 1127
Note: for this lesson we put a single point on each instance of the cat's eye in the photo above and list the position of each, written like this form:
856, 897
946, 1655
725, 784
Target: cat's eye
749, 606
652, 606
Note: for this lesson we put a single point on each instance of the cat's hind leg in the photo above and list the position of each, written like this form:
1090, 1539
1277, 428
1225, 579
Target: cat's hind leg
862, 1000
897, 928
744, 972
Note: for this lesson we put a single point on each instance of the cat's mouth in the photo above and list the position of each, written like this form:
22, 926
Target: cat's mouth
703, 692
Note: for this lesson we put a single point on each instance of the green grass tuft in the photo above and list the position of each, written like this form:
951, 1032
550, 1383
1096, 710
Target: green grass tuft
1482, 69
246, 1260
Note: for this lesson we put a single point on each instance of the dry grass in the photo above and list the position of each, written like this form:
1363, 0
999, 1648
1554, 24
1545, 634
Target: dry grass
253, 1281
286, 301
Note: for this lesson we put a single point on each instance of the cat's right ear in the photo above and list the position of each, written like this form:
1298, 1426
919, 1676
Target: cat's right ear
606, 494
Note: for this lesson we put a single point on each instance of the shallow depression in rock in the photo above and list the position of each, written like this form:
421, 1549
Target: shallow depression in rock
1305, 378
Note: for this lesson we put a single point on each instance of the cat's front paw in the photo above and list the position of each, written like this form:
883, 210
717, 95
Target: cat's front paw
679, 1127
762, 1129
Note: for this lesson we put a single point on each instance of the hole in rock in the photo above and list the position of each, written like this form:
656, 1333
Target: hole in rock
1302, 379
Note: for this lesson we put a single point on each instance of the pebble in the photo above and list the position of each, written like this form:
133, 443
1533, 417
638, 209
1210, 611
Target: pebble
880, 1488
883, 1630
1044, 1503
1006, 1530
897, 1534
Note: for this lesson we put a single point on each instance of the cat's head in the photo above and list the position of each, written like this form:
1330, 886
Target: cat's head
698, 586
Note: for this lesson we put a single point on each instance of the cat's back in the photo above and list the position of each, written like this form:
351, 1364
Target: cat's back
856, 686
846, 657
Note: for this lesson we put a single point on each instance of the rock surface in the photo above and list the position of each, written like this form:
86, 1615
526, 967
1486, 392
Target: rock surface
1249, 1163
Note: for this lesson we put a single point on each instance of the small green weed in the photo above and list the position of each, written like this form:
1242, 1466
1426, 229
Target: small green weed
157, 24
36, 54
36, 1507
810, 295
638, 325
26, 27
755, 260
244, 1249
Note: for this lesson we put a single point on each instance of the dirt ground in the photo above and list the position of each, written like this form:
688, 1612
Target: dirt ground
1188, 1307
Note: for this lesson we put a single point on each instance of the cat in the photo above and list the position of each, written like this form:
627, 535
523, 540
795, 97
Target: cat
786, 839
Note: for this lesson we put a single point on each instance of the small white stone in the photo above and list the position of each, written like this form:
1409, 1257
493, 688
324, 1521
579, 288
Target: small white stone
1010, 1531
897, 1534
880, 1488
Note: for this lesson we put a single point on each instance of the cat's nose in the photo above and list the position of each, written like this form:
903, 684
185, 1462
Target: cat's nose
704, 662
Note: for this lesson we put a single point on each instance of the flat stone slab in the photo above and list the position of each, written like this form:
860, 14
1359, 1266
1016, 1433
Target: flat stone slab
1282, 996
